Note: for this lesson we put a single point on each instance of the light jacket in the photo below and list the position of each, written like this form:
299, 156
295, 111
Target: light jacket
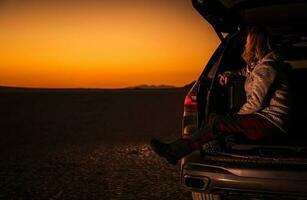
267, 92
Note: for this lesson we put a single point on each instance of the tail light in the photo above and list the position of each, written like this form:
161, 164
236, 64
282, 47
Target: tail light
190, 115
190, 102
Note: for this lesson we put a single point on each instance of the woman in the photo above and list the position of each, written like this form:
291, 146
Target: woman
265, 114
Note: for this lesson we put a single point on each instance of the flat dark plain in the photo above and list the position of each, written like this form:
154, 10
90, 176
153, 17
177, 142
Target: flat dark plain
88, 144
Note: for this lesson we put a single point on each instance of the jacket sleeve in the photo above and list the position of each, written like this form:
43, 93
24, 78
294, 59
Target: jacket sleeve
262, 78
234, 73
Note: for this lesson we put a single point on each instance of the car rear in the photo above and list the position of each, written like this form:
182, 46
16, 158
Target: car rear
232, 174
248, 171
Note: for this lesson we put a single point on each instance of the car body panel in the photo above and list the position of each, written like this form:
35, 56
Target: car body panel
229, 176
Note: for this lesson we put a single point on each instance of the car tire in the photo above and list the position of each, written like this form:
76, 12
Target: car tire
204, 196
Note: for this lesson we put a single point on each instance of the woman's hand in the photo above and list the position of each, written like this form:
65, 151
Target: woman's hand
225, 77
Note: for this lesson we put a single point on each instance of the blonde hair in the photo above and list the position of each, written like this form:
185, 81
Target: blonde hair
258, 44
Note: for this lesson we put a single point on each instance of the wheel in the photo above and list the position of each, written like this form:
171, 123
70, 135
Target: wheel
204, 196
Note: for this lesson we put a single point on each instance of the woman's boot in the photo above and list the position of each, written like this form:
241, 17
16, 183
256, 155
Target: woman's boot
173, 151
176, 150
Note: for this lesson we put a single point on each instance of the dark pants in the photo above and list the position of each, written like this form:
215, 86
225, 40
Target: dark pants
253, 127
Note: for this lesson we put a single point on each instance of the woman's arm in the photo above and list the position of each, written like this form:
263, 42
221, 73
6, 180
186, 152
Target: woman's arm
227, 75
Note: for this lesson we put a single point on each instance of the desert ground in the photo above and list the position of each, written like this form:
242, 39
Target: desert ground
88, 144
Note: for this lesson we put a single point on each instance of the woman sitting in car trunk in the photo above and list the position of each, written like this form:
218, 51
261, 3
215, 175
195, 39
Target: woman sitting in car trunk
266, 114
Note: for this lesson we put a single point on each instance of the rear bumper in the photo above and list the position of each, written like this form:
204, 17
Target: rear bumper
201, 175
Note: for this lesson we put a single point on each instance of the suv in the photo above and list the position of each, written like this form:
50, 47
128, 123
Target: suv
230, 167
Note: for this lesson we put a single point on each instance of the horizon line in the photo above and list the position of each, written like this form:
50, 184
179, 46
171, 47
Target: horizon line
85, 88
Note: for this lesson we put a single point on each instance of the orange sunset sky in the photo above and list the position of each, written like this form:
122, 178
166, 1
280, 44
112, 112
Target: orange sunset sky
102, 44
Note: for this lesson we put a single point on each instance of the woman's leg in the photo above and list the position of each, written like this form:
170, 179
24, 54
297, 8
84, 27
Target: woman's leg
182, 147
253, 127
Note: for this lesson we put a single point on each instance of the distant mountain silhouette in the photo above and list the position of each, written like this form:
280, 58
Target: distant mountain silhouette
146, 86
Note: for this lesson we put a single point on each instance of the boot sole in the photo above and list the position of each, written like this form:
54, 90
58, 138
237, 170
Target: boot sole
156, 146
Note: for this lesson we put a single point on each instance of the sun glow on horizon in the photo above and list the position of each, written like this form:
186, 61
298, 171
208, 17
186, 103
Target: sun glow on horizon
102, 45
